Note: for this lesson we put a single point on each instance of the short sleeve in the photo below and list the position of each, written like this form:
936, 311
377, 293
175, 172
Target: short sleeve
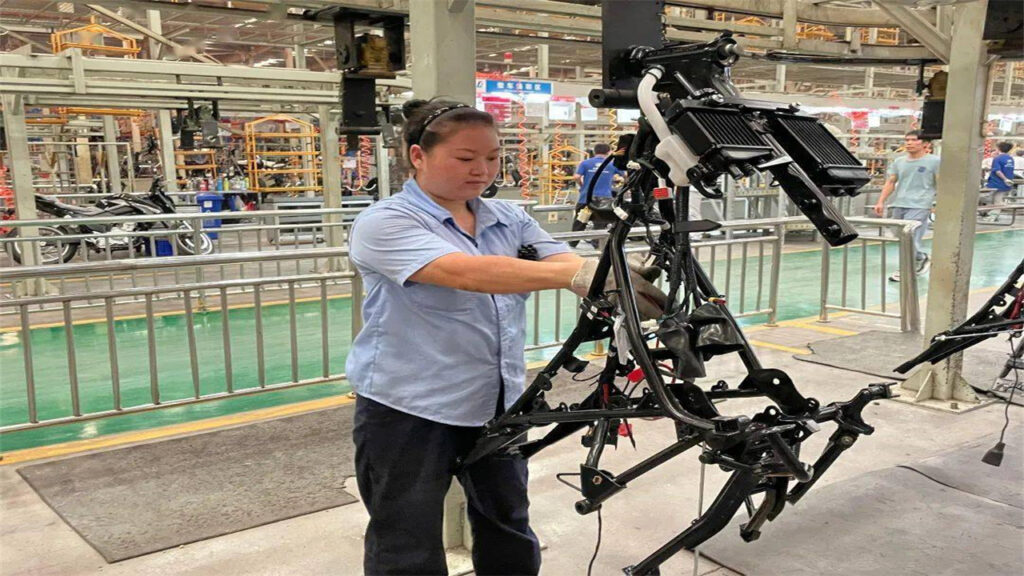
582, 168
395, 244
532, 234
892, 169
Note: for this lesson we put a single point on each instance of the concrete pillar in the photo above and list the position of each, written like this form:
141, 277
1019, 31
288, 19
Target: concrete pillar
21, 179
383, 168
1008, 81
154, 23
579, 72
170, 173
110, 152
780, 77
581, 138
869, 72
443, 46
299, 54
957, 198
331, 167
83, 160
789, 9
543, 61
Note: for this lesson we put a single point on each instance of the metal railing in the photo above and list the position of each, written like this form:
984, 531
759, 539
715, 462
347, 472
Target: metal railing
887, 232
146, 392
268, 344
261, 232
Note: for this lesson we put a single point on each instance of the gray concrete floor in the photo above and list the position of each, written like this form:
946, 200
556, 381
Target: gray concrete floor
35, 541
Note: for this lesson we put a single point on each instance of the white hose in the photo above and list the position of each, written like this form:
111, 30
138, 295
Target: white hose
671, 148
649, 103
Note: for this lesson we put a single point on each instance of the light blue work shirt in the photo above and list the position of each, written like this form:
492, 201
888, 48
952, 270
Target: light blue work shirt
431, 351
916, 181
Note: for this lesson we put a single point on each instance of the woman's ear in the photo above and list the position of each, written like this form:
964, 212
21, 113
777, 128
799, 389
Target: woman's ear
416, 156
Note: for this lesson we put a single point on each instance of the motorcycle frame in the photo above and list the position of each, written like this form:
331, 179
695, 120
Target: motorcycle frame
760, 452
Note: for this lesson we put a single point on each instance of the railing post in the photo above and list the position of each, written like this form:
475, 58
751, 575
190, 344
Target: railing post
773, 283
825, 269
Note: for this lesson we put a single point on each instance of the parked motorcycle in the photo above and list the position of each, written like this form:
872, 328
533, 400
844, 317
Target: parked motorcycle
157, 201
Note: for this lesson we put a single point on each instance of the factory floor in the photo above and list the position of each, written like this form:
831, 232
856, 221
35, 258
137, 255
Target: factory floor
35, 541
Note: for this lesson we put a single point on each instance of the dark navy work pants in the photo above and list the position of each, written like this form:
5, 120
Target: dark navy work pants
404, 466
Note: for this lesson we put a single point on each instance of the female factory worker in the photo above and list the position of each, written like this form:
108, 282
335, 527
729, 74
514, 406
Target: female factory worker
441, 349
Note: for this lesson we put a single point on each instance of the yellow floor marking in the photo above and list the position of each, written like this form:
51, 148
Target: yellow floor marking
780, 347
175, 429
169, 313
824, 329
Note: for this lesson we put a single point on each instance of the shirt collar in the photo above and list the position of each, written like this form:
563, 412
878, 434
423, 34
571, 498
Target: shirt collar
485, 214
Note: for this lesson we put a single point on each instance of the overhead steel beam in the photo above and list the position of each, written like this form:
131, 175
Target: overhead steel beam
178, 48
70, 77
25, 39
920, 28
806, 12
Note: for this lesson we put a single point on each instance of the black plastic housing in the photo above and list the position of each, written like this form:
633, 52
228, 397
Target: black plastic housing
828, 163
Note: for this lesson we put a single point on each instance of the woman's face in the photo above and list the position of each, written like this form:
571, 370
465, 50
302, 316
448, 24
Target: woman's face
461, 166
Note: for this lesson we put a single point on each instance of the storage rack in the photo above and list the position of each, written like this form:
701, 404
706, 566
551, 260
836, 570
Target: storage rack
281, 136
185, 170
556, 180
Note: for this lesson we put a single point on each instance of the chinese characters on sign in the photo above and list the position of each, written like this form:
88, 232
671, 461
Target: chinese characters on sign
528, 86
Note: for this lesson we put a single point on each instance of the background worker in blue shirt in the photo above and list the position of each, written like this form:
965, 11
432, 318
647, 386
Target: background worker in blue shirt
441, 348
602, 189
911, 185
1000, 178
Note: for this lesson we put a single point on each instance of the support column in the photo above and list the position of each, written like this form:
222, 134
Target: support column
443, 46
154, 23
1008, 81
789, 9
383, 168
21, 179
299, 53
167, 161
331, 167
110, 153
780, 77
543, 61
869, 72
953, 243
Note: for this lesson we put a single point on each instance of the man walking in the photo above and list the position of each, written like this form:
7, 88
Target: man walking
1000, 178
602, 188
911, 183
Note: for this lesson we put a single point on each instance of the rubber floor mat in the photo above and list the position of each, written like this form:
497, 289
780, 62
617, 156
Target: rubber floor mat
149, 497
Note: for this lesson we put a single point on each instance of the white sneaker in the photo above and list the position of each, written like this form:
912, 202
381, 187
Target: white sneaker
923, 265
895, 277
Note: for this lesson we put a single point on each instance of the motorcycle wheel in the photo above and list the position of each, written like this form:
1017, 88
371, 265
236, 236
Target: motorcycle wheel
52, 251
186, 242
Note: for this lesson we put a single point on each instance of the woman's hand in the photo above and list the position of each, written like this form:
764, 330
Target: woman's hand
650, 301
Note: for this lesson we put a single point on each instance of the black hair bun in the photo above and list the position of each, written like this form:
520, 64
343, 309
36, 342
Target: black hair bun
411, 106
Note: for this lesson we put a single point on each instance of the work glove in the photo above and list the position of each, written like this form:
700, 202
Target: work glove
650, 301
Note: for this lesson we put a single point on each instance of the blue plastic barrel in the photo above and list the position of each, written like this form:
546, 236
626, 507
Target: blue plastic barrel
210, 203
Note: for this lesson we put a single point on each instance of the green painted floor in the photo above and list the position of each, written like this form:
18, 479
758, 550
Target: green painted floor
799, 295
